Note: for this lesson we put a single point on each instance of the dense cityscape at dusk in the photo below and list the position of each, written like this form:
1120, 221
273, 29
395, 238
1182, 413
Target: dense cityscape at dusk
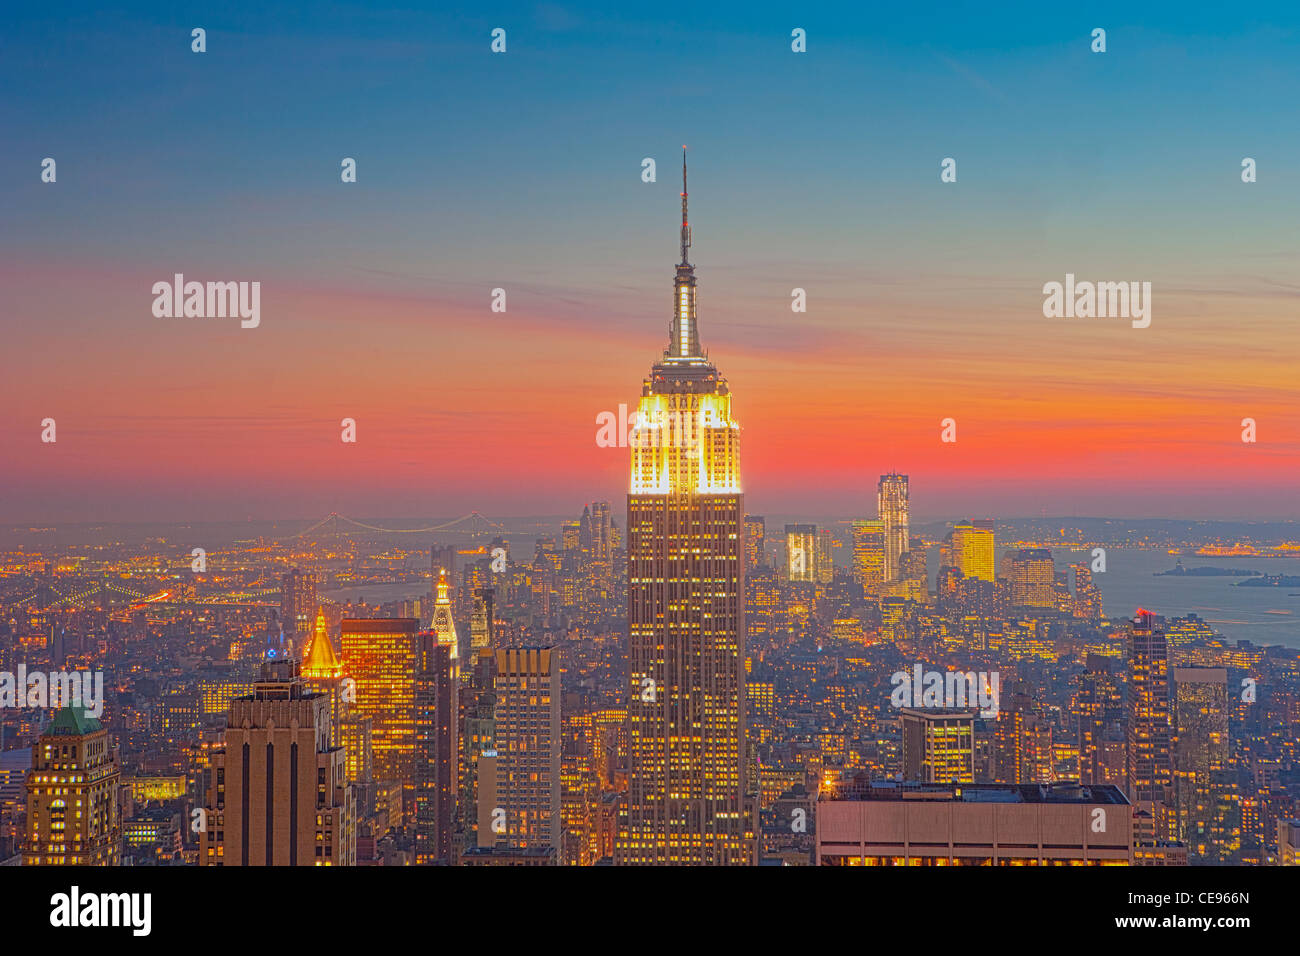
674, 689
437, 588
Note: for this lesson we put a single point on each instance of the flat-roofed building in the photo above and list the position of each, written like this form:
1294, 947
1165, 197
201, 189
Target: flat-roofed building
528, 747
888, 823
511, 856
382, 656
938, 745
1031, 577
1160, 853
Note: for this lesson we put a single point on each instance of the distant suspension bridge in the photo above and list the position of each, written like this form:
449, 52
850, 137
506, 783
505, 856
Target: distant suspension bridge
472, 524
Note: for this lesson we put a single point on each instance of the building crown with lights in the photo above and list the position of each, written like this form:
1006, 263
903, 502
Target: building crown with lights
444, 625
320, 660
685, 441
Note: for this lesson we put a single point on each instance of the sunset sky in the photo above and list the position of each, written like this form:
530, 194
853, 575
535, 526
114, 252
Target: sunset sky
523, 171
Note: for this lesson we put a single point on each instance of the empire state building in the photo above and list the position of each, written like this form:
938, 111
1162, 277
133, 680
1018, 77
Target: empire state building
687, 799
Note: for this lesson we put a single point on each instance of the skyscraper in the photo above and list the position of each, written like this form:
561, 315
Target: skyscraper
475, 573
1087, 598
824, 565
355, 738
598, 530
444, 559
1031, 577
528, 747
604, 534
891, 509
580, 798
869, 556
1010, 732
444, 624
1200, 753
482, 621
972, 549
1149, 726
687, 774
1098, 708
1037, 763
938, 745
382, 656
279, 793
477, 704
73, 817
914, 574
755, 532
801, 552
436, 771
322, 672
297, 608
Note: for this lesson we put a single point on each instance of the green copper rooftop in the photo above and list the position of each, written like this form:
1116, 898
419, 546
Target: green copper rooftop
72, 721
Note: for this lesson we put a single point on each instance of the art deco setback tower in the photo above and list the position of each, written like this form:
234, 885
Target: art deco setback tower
278, 795
687, 773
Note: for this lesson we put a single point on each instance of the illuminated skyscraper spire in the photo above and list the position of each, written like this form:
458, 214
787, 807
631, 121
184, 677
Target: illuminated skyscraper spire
320, 659
683, 336
443, 624
686, 441
686, 224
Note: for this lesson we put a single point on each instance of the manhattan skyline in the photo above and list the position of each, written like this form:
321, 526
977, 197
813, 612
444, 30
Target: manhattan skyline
365, 504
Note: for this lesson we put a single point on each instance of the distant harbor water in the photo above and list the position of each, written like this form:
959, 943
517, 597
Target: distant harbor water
1265, 615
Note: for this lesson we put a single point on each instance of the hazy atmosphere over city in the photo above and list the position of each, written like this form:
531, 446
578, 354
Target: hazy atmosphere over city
565, 435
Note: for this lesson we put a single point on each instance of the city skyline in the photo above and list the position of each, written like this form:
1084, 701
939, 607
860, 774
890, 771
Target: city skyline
365, 504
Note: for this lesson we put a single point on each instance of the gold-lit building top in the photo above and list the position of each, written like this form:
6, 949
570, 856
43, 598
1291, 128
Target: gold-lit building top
321, 663
685, 440
444, 624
